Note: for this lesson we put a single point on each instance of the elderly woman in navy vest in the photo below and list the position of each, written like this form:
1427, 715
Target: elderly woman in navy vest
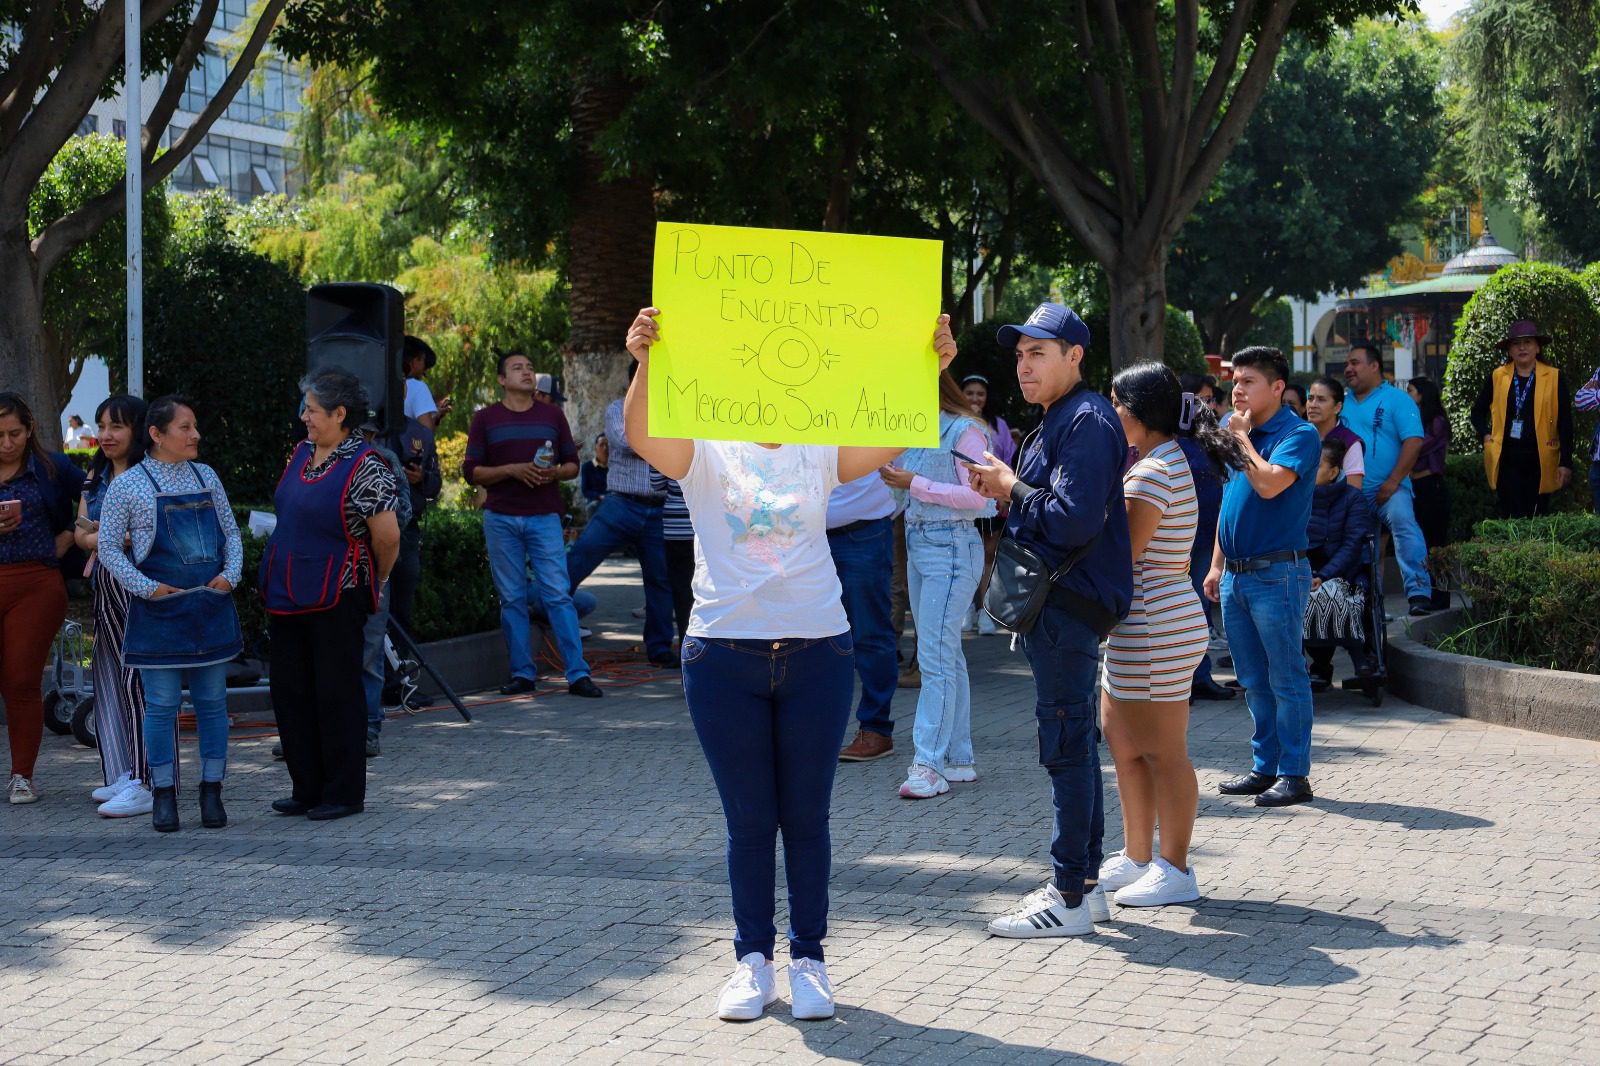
182, 627
321, 573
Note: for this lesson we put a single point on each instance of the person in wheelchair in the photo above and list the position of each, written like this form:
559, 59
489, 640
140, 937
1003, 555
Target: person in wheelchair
1341, 524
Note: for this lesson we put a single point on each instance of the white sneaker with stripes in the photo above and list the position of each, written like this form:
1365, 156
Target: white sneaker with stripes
111, 791
1044, 913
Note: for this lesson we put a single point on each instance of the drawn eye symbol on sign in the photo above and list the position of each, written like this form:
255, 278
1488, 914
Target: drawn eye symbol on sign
788, 356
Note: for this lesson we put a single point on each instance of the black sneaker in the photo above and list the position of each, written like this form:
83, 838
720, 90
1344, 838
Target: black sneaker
518, 686
586, 688
374, 749
666, 660
1421, 606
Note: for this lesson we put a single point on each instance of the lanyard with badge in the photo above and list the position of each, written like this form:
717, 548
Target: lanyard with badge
1521, 387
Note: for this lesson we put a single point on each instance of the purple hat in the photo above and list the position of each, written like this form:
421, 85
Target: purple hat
1521, 328
1048, 322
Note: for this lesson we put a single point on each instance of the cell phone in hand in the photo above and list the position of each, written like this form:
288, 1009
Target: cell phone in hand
11, 508
87, 525
966, 458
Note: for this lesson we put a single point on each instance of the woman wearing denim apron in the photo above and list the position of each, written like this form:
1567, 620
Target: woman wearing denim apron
768, 672
944, 562
118, 691
182, 626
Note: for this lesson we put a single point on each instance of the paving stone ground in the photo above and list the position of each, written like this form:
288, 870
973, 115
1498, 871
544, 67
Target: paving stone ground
546, 885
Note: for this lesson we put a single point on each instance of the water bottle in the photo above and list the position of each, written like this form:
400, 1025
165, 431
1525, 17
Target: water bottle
545, 457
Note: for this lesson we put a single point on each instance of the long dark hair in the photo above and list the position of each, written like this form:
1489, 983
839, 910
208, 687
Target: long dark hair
1432, 402
987, 414
12, 404
1152, 394
123, 410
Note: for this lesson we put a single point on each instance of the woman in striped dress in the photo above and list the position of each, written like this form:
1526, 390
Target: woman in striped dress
118, 691
1151, 655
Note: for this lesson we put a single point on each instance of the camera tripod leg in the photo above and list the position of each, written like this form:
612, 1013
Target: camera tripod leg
397, 631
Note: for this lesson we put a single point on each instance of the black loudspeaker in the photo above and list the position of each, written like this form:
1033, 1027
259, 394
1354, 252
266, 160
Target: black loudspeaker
361, 327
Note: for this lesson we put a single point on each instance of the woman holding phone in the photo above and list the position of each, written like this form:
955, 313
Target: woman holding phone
186, 557
944, 560
118, 690
767, 671
37, 492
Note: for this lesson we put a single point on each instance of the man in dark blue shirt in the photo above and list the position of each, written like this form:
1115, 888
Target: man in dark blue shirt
1065, 493
1260, 575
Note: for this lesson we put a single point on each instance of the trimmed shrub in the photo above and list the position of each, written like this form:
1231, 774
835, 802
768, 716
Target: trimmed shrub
1471, 501
1548, 294
1186, 350
1535, 589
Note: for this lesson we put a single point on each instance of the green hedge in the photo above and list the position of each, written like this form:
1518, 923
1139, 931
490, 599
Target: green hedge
1535, 590
456, 595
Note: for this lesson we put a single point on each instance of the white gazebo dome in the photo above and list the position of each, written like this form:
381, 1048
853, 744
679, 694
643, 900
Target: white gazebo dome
1484, 257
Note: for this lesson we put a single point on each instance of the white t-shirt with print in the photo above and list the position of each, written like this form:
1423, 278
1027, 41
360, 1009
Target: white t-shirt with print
762, 568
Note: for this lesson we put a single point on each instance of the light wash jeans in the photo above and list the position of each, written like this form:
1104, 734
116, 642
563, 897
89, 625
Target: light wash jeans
944, 561
163, 693
372, 673
1399, 517
1264, 612
514, 542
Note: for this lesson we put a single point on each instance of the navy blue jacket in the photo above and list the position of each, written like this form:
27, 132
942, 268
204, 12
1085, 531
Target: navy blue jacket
1341, 520
1073, 466
60, 497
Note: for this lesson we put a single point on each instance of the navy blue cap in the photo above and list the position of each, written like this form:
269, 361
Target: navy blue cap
1048, 322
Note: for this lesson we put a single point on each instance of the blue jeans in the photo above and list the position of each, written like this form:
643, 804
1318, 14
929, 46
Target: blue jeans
944, 561
864, 558
620, 520
515, 541
163, 693
372, 660
770, 715
1264, 612
1399, 517
1065, 657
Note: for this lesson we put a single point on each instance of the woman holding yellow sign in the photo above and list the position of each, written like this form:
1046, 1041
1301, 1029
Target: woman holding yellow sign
767, 671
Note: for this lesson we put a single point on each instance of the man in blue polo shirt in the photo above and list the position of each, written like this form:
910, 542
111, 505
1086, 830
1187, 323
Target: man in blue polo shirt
1260, 575
1066, 497
1390, 427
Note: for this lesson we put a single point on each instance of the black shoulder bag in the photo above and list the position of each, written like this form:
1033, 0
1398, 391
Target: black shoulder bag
1020, 583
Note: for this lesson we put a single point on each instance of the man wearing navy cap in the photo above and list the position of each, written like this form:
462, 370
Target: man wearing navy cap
1066, 493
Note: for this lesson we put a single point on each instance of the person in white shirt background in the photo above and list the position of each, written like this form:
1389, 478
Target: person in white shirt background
416, 359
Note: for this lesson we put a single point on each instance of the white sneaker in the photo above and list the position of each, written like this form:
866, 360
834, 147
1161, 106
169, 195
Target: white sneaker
923, 782
107, 792
1099, 909
961, 775
986, 626
969, 621
584, 632
21, 790
1119, 871
810, 992
135, 799
1044, 913
1162, 884
750, 990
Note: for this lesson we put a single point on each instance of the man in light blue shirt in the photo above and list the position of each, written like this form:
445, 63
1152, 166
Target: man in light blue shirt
1390, 427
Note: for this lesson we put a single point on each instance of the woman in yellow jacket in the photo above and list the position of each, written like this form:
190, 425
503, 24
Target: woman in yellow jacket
1524, 415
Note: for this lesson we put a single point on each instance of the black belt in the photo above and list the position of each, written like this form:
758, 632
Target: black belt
851, 527
647, 501
1261, 562
1091, 613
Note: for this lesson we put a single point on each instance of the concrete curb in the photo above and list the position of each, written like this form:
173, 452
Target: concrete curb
1560, 702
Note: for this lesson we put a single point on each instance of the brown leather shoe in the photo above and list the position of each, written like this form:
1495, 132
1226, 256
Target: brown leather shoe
910, 679
866, 747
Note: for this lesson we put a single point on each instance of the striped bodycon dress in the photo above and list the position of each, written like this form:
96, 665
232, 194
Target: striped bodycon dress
1151, 655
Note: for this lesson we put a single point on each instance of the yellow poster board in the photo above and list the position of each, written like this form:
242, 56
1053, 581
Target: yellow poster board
794, 337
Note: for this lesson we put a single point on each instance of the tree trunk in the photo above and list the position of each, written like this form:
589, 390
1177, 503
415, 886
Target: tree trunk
28, 369
609, 253
1138, 325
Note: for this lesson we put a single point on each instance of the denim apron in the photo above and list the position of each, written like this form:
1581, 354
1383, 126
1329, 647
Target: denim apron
196, 626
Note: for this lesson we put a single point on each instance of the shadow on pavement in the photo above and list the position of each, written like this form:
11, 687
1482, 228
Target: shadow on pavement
1233, 945
1403, 814
861, 1035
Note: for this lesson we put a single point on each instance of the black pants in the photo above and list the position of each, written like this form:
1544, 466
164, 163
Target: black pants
405, 576
680, 576
1517, 487
318, 700
1431, 497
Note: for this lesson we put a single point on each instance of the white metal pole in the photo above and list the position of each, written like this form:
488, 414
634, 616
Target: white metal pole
133, 130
